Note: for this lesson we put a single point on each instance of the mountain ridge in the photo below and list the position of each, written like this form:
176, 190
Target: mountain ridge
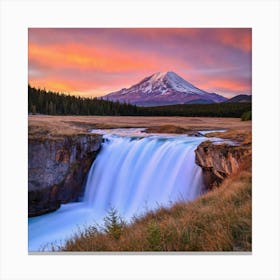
240, 98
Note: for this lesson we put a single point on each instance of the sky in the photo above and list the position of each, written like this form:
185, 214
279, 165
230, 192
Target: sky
96, 61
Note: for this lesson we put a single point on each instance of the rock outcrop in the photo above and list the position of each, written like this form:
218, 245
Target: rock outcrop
57, 170
218, 161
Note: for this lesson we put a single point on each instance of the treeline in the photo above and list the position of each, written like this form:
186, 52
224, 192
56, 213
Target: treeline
41, 101
234, 110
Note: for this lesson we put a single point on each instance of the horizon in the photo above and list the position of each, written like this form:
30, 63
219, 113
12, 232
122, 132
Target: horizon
93, 62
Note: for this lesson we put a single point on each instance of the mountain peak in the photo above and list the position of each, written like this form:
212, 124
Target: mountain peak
163, 88
174, 81
161, 75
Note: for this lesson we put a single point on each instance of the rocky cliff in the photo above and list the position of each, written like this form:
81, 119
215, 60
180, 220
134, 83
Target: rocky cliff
57, 170
218, 161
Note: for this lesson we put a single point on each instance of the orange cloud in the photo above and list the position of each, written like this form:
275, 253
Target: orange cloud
54, 85
225, 85
90, 58
85, 87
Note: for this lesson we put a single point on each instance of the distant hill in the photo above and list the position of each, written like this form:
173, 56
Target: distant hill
164, 88
240, 98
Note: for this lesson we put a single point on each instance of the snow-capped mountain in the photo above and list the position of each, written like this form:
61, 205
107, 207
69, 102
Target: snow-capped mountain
164, 88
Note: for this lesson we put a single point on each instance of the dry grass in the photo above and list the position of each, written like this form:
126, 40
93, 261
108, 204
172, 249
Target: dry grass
57, 126
243, 136
167, 129
217, 221
52, 128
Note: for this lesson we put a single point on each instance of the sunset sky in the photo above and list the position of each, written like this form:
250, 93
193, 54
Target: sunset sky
96, 61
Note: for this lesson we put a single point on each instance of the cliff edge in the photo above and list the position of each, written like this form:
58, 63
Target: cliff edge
218, 161
57, 169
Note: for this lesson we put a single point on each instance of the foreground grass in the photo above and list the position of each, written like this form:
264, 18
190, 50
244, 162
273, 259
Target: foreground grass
219, 220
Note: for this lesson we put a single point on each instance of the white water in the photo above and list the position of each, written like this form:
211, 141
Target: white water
131, 174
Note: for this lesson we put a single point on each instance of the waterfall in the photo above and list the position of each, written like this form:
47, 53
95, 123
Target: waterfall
132, 175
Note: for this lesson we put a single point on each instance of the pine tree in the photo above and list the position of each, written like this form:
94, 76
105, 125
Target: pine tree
113, 224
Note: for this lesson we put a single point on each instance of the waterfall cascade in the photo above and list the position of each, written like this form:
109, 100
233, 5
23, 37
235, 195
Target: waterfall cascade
131, 174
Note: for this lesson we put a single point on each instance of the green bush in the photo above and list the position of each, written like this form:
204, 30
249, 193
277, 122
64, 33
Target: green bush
247, 116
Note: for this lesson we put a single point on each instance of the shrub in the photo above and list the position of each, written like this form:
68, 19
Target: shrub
247, 116
153, 237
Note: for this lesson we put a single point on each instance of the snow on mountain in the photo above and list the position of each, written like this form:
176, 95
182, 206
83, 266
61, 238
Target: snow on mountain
164, 88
